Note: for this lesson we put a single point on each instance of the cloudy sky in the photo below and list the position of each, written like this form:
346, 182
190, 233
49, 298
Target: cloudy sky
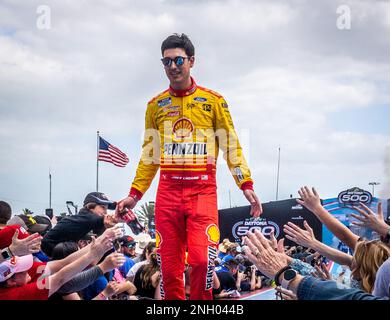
292, 77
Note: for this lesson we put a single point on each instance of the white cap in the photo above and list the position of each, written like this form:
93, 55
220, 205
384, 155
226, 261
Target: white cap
15, 265
142, 241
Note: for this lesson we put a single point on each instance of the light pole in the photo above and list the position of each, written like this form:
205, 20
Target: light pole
373, 184
49, 188
277, 176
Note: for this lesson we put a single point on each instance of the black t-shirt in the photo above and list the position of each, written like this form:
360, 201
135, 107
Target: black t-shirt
227, 282
72, 228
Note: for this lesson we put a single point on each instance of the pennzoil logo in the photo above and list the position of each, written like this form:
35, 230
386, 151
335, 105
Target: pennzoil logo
183, 128
212, 232
158, 239
185, 148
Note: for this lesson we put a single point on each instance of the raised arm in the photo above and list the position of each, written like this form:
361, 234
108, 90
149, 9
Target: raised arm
370, 220
311, 200
22, 247
89, 276
54, 281
307, 239
111, 234
271, 263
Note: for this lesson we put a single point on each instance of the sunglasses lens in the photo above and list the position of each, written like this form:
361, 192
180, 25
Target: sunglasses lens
179, 61
166, 62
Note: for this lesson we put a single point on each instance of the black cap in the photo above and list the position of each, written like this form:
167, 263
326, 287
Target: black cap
99, 198
127, 241
29, 223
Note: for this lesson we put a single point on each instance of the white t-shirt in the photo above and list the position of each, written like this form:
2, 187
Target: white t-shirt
133, 270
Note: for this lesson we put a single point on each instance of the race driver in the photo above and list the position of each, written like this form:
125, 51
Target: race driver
184, 127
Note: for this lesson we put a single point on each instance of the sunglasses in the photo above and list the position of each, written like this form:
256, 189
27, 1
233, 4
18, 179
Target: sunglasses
179, 61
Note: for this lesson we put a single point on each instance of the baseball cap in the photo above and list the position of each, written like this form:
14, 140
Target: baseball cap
99, 198
29, 223
8, 232
142, 241
43, 220
15, 265
230, 260
127, 241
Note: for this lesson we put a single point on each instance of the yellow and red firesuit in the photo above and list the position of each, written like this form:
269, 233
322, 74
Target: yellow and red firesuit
183, 132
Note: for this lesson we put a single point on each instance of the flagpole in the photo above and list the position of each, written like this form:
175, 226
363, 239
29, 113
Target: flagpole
97, 162
277, 178
50, 188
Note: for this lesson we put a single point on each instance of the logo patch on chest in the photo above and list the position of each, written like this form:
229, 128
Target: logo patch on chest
164, 102
200, 99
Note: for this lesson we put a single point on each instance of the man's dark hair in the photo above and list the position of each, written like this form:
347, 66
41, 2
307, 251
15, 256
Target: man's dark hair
232, 264
90, 206
178, 41
5, 212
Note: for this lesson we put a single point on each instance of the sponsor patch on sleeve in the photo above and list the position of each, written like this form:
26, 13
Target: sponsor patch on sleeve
238, 173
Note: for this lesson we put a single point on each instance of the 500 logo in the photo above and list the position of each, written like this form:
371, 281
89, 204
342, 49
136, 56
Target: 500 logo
241, 228
355, 195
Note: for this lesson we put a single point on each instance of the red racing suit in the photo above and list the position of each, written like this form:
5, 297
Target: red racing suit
183, 133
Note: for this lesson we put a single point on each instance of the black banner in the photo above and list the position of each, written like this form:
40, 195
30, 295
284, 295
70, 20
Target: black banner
236, 222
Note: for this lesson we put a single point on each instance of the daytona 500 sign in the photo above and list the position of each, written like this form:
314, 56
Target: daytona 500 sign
234, 223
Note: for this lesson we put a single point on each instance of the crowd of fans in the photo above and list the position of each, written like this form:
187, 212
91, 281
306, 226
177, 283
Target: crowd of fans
87, 256
83, 256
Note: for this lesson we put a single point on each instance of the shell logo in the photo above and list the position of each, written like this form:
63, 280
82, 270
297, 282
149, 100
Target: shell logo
183, 128
158, 239
212, 232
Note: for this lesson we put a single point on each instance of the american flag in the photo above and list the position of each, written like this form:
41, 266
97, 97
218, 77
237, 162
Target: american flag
110, 153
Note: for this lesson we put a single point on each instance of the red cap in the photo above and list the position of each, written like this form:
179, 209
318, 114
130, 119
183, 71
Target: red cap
8, 232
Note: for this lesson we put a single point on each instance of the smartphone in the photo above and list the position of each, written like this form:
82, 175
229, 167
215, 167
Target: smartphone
49, 213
